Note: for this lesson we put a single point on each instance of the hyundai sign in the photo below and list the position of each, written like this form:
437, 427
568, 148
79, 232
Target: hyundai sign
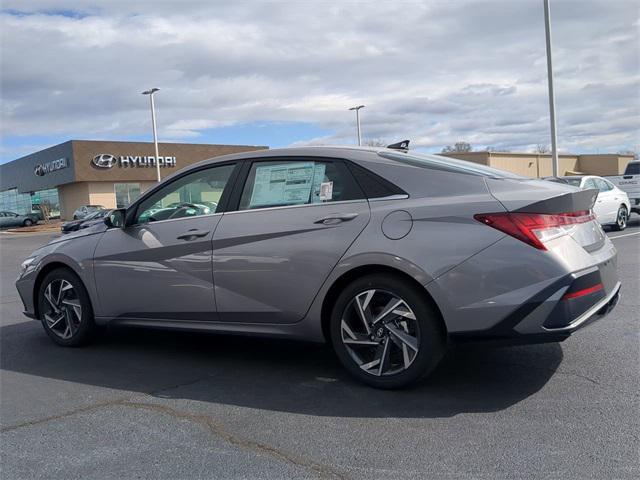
43, 168
106, 160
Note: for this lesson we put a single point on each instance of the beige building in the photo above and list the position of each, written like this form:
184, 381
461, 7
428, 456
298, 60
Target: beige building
539, 165
86, 172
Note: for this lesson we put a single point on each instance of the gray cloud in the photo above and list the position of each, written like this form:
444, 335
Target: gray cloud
435, 72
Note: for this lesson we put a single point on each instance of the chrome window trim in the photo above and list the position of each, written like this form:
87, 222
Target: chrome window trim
283, 207
173, 220
397, 196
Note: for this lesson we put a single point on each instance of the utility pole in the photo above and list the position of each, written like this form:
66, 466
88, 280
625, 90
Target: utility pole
552, 98
153, 123
357, 109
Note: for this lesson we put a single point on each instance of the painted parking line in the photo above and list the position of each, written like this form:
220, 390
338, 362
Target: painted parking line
625, 235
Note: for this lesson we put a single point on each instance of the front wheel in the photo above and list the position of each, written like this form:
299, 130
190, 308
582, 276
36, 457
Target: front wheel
385, 333
621, 219
65, 309
27, 222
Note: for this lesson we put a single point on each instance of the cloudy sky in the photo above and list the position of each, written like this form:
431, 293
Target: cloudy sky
283, 73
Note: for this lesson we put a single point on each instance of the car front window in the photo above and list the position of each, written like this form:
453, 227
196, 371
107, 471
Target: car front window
195, 194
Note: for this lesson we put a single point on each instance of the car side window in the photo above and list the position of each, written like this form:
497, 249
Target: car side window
602, 185
589, 183
195, 194
297, 182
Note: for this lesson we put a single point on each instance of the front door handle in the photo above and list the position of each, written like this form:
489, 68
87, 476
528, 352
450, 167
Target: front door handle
336, 218
191, 234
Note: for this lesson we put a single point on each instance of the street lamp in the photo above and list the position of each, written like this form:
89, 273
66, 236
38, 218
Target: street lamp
153, 123
357, 109
552, 97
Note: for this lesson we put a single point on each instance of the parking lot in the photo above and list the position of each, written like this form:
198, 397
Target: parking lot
152, 404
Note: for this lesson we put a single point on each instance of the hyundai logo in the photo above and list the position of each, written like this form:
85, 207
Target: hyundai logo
39, 171
104, 160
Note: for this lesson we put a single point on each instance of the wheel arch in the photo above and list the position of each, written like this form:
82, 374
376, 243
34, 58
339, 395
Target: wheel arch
44, 271
343, 280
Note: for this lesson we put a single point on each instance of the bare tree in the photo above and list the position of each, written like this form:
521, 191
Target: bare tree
375, 142
635, 154
457, 147
540, 148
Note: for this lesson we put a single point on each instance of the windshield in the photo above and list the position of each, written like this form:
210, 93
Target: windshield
446, 163
575, 181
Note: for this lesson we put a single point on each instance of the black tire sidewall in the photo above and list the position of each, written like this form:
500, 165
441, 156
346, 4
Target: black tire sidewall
27, 223
87, 325
616, 225
432, 336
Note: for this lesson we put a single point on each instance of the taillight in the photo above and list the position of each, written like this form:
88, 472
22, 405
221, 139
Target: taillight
535, 228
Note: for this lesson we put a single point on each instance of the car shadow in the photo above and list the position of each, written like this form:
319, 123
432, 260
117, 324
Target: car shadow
277, 375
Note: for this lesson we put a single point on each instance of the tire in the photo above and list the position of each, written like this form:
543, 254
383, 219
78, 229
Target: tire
621, 219
73, 324
75, 217
27, 222
402, 365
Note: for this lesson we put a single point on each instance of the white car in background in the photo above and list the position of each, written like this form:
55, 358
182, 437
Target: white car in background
612, 206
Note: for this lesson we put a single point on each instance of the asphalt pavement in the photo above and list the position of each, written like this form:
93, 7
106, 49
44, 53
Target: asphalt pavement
152, 404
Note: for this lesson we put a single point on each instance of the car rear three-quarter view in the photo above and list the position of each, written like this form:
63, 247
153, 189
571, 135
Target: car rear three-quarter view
386, 254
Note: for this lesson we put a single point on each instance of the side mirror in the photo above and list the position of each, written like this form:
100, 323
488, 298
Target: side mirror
115, 218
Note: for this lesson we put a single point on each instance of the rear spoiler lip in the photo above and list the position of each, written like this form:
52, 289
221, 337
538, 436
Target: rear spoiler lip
568, 202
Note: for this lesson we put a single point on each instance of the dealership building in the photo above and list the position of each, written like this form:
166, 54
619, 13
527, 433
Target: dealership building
83, 172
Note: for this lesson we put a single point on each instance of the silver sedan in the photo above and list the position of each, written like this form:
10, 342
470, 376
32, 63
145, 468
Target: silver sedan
386, 254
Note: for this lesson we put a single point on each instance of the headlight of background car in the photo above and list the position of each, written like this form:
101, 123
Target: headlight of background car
27, 265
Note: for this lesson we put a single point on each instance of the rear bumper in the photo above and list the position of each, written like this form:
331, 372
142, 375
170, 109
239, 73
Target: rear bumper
597, 311
554, 313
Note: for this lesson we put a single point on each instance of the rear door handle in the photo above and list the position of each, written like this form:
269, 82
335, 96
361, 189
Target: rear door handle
191, 234
336, 218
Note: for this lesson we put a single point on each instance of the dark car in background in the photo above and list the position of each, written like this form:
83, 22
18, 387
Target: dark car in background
85, 210
91, 219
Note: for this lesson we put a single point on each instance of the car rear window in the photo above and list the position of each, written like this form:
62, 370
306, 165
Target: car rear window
633, 168
436, 162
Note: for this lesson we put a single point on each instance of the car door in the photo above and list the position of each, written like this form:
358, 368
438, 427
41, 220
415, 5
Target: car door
159, 266
293, 221
607, 200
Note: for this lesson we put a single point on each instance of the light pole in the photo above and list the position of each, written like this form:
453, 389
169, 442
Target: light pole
153, 123
552, 98
357, 109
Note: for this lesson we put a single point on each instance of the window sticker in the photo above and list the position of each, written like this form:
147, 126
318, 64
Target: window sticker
326, 191
284, 184
318, 178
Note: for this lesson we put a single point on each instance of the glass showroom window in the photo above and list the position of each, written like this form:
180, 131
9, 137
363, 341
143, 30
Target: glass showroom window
126, 193
12, 201
48, 199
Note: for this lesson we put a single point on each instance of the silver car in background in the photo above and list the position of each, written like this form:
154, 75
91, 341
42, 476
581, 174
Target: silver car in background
388, 255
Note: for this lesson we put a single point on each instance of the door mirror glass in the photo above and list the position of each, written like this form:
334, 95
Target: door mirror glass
115, 218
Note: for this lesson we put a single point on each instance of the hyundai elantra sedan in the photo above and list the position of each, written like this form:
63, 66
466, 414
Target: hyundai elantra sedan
388, 255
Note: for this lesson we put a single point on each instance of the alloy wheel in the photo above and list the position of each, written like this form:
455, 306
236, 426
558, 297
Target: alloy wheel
622, 218
380, 332
64, 312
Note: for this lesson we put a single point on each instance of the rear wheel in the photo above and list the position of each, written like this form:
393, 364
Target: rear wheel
65, 309
27, 222
621, 219
385, 333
